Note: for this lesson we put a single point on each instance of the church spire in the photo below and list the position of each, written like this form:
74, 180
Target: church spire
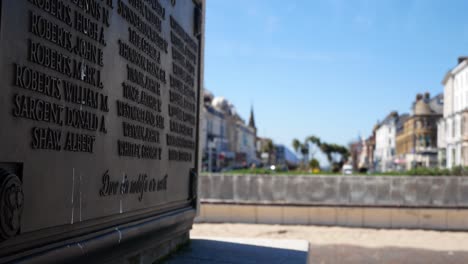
252, 118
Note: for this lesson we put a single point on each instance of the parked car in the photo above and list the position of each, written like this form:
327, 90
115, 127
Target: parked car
347, 169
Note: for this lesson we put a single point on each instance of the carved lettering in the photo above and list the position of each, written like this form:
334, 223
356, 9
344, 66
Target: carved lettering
80, 95
138, 114
145, 82
81, 119
46, 138
37, 81
141, 61
141, 133
37, 109
179, 142
180, 156
79, 142
57, 8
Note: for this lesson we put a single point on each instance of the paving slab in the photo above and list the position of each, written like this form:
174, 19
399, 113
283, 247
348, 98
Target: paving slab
240, 251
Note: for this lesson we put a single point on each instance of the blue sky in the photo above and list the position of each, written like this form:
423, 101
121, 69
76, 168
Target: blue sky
330, 68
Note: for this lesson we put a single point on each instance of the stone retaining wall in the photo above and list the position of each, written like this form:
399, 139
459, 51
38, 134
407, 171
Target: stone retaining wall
368, 217
353, 191
423, 202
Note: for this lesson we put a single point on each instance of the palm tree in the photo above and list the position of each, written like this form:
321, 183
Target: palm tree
316, 143
301, 148
305, 153
327, 150
296, 145
336, 154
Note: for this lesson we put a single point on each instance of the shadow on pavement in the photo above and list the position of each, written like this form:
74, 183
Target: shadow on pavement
213, 251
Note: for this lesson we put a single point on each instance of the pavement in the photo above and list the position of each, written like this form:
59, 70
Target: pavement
241, 251
329, 245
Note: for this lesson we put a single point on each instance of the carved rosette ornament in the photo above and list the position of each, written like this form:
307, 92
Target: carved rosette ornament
11, 204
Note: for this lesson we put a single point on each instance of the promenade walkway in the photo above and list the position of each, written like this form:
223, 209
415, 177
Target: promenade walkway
356, 245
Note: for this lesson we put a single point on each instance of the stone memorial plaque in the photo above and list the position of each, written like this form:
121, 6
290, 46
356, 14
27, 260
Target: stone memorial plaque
99, 110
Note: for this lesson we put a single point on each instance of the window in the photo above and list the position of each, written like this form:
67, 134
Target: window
453, 157
453, 128
210, 126
462, 126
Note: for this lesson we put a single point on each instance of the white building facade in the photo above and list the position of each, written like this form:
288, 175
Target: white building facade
227, 141
246, 144
452, 130
385, 143
385, 146
213, 136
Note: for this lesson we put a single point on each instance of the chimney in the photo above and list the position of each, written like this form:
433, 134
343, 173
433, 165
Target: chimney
419, 97
462, 58
427, 95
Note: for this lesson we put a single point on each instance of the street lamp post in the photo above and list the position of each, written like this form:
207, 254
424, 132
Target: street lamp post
211, 145
212, 140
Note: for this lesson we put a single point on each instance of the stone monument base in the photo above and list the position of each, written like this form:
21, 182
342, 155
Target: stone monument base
139, 242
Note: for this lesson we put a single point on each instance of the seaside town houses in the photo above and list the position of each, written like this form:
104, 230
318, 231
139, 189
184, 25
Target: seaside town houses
385, 142
227, 142
434, 135
453, 128
365, 158
417, 140
402, 141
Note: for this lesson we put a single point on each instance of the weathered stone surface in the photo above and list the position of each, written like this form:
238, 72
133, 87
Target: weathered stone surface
279, 191
450, 196
396, 191
344, 190
437, 190
223, 187
205, 186
358, 190
331, 189
296, 191
411, 191
321, 189
100, 113
463, 191
384, 190
246, 188
424, 195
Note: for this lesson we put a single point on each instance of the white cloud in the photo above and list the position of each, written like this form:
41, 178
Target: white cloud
244, 50
300, 55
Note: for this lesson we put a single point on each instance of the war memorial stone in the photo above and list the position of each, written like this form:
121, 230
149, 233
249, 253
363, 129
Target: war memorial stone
99, 114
